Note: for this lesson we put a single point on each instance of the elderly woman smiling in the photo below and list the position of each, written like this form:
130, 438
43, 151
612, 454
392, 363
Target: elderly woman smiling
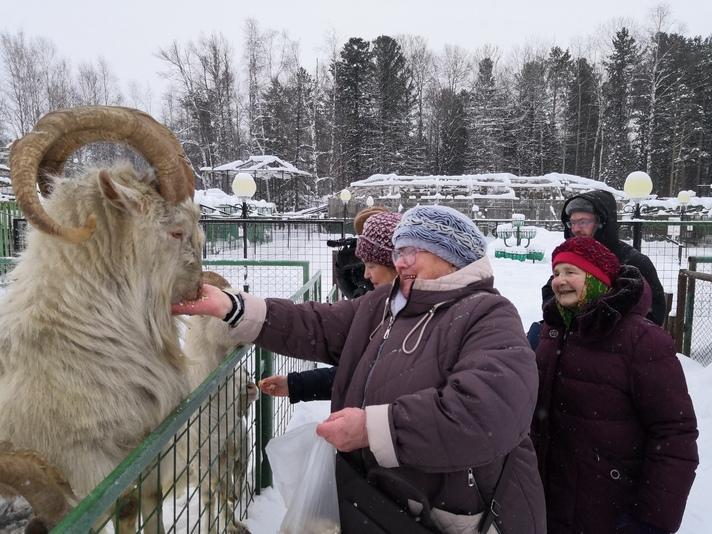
615, 430
436, 381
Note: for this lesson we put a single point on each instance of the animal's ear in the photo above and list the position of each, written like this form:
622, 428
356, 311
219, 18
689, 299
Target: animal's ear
121, 197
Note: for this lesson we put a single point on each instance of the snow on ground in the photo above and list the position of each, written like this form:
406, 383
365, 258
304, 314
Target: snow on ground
521, 283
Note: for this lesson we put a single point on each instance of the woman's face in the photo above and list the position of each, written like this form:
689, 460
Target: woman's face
378, 274
568, 284
412, 263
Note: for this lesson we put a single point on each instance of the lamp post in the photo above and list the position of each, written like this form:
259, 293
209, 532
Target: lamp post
244, 187
683, 198
345, 196
638, 186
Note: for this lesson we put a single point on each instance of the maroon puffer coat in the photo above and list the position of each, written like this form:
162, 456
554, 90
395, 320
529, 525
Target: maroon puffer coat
614, 429
453, 375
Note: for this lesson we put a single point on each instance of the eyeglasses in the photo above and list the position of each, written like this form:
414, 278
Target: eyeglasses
407, 254
583, 223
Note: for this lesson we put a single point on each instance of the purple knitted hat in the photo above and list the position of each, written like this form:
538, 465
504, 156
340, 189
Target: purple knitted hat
374, 244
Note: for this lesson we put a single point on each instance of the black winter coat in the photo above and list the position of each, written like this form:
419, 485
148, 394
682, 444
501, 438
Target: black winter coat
614, 428
607, 234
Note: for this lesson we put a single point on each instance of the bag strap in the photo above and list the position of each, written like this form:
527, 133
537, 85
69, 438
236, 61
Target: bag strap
494, 509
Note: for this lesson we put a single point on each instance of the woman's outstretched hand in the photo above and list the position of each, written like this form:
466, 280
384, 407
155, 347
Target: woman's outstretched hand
212, 301
275, 385
345, 429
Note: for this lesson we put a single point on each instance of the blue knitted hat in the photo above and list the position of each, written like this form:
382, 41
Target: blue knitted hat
443, 231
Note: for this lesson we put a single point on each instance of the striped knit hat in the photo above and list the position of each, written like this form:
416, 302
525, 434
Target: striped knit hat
374, 244
442, 231
589, 255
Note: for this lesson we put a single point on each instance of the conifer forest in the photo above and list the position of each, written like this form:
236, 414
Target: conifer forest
630, 97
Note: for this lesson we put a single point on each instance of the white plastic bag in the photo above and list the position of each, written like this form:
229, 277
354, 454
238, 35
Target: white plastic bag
303, 471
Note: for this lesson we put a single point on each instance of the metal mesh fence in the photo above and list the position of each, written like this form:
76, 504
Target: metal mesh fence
669, 244
273, 239
12, 237
200, 469
694, 321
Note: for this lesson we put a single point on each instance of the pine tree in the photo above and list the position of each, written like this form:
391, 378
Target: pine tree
353, 75
581, 120
486, 118
531, 128
452, 133
618, 154
392, 104
559, 68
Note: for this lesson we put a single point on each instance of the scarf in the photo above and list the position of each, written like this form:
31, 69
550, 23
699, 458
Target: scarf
593, 289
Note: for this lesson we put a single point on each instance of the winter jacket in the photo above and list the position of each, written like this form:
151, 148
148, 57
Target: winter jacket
448, 385
615, 431
314, 384
607, 233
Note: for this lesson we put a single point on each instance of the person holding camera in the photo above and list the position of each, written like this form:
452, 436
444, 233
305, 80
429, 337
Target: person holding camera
375, 227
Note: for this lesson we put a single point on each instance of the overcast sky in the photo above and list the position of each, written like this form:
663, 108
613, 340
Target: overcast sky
127, 33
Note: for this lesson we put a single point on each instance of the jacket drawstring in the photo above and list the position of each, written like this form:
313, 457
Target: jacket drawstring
424, 322
383, 319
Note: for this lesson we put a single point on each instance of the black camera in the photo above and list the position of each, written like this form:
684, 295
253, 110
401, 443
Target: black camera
348, 268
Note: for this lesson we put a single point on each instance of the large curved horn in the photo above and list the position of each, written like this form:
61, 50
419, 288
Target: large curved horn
59, 133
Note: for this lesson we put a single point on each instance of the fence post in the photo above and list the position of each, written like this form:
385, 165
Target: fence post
267, 426
637, 237
680, 309
689, 308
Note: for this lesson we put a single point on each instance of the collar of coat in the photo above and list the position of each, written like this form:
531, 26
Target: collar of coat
629, 294
425, 294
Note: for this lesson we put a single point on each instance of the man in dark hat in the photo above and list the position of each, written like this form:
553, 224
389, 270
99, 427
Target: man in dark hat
594, 214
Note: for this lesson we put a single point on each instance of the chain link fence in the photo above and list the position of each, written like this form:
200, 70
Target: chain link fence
272, 239
693, 324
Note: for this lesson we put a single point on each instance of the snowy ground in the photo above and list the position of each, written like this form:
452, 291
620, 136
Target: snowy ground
521, 283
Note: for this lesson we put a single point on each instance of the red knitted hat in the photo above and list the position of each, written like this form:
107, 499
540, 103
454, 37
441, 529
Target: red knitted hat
375, 245
588, 254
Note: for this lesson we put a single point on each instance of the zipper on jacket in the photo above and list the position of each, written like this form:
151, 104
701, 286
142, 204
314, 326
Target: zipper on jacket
470, 477
375, 360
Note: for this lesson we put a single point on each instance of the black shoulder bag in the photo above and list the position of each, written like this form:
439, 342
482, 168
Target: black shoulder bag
366, 505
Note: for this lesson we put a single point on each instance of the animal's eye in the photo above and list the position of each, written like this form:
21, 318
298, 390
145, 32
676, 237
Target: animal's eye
177, 234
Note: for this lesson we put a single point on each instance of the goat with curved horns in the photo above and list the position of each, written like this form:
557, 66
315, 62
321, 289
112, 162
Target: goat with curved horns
90, 360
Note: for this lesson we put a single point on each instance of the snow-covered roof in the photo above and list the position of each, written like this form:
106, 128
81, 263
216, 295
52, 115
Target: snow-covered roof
232, 166
5, 181
214, 198
260, 165
4, 168
505, 185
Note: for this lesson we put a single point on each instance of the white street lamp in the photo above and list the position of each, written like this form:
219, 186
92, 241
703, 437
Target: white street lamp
369, 201
345, 196
637, 186
244, 186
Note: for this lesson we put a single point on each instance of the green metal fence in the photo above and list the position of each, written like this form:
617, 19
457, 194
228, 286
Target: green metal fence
209, 441
693, 321
9, 212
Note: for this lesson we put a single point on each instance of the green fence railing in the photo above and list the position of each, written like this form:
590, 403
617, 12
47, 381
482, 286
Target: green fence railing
169, 450
693, 320
9, 213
